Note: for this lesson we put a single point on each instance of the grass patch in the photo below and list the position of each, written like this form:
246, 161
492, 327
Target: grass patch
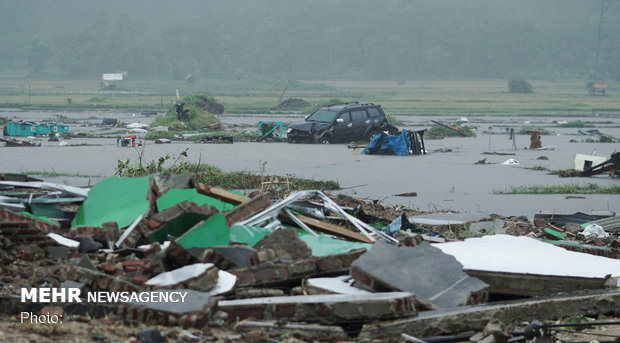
214, 176
56, 174
590, 188
424, 97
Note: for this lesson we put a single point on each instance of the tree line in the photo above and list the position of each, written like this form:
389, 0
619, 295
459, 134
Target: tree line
318, 39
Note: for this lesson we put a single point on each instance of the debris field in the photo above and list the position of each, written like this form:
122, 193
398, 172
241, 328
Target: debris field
163, 258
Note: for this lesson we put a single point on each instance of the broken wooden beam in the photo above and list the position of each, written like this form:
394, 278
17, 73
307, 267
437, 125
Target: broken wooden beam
221, 194
247, 208
327, 228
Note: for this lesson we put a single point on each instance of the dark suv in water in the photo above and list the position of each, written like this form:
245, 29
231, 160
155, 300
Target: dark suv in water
340, 123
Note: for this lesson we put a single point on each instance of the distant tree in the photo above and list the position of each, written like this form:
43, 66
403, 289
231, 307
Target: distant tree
519, 86
38, 54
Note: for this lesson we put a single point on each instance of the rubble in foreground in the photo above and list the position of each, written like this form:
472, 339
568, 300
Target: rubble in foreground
304, 268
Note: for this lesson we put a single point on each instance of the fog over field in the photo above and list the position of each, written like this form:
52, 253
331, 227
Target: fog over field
319, 39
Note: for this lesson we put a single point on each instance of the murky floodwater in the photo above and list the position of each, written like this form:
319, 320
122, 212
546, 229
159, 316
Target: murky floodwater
442, 180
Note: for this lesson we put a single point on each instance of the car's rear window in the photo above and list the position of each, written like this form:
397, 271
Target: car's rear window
373, 111
325, 116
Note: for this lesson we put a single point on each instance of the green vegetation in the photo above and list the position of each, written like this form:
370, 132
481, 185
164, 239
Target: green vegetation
519, 86
468, 98
56, 174
214, 176
393, 121
591, 188
199, 108
438, 132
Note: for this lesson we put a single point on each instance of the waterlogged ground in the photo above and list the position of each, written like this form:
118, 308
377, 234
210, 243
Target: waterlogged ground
445, 179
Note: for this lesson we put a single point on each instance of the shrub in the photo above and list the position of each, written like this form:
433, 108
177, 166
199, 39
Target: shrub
199, 107
519, 86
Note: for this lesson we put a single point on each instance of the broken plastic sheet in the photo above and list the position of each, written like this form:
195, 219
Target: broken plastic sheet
384, 144
524, 255
122, 200
114, 199
176, 227
321, 245
175, 196
206, 234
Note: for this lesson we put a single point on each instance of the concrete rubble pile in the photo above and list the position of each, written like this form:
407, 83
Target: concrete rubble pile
304, 267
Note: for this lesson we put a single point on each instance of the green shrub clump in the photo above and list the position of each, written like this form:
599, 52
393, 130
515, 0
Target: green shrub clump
519, 86
201, 109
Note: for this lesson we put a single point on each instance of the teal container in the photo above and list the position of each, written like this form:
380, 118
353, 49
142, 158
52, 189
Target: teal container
26, 129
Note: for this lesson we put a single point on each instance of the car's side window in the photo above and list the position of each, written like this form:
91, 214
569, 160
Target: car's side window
358, 116
373, 111
346, 117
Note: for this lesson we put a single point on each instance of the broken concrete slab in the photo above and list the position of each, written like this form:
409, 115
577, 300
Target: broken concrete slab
333, 285
326, 309
240, 256
475, 318
87, 244
85, 262
58, 252
447, 218
526, 266
63, 241
198, 276
423, 270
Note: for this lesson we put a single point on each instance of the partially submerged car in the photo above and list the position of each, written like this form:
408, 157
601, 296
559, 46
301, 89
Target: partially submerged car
340, 123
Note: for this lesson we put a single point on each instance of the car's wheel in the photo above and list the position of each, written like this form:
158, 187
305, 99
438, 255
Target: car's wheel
371, 134
325, 140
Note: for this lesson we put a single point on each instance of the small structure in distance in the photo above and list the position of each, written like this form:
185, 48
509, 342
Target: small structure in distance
108, 81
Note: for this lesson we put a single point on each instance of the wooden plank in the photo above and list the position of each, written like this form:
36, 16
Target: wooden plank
247, 208
327, 228
221, 194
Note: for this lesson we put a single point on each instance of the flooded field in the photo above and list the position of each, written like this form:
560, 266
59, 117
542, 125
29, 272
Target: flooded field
447, 178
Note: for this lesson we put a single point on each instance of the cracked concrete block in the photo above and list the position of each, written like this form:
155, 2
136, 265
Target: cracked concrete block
325, 308
423, 270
